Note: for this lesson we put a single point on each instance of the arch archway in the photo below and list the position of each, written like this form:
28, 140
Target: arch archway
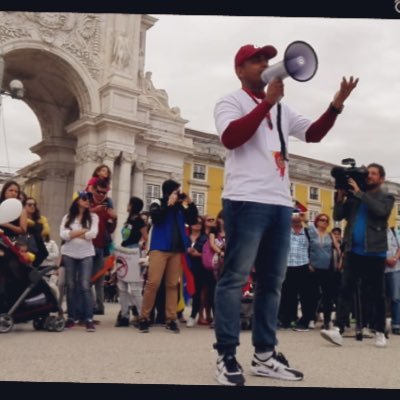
59, 95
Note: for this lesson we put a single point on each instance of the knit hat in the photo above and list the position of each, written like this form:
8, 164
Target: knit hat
169, 186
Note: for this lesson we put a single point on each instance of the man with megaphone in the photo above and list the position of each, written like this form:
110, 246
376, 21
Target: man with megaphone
257, 206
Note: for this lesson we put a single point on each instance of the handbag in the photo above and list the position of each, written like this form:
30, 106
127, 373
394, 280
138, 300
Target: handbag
207, 255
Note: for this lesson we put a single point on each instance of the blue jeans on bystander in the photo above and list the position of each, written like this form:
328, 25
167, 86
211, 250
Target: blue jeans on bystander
79, 295
393, 294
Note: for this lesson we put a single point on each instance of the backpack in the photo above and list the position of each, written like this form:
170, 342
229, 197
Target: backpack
207, 255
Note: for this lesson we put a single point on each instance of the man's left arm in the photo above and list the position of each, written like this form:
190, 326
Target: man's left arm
381, 207
318, 129
190, 211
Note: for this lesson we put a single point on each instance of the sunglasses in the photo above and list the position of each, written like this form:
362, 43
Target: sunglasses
101, 192
323, 220
31, 204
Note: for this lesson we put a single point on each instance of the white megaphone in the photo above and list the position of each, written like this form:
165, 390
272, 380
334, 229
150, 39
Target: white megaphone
299, 62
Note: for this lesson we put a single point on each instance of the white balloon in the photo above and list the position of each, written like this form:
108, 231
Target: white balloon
10, 209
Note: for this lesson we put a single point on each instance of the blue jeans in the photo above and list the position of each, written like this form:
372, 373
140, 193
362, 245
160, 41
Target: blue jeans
79, 295
393, 294
256, 235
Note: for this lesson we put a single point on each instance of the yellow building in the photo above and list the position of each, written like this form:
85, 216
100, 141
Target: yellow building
311, 182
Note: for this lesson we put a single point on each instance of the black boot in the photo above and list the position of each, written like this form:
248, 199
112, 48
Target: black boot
121, 321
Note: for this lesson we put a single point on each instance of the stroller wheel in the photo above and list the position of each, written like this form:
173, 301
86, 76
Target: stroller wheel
38, 323
58, 324
49, 323
6, 323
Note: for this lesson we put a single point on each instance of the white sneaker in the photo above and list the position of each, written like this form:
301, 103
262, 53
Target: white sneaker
190, 322
229, 372
332, 335
380, 340
311, 325
275, 367
367, 334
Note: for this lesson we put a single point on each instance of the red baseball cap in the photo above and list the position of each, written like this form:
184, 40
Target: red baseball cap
247, 51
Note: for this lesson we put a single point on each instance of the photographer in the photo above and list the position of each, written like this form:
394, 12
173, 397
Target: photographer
365, 244
168, 241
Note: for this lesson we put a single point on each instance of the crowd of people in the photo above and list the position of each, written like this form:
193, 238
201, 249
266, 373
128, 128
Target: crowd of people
301, 273
88, 263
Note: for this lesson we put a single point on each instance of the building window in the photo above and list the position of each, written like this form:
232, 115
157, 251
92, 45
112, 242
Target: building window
152, 193
199, 171
314, 193
199, 199
312, 214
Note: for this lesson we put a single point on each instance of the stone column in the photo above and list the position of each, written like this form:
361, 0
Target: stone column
124, 192
138, 189
86, 162
107, 157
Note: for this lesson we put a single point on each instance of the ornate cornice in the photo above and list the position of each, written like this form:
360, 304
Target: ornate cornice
79, 34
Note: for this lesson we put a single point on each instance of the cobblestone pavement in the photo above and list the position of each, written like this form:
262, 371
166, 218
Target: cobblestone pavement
125, 356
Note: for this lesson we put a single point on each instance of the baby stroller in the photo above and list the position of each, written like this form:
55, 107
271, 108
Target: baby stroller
24, 294
247, 303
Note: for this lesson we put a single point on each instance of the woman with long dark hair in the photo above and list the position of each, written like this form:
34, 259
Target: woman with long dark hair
38, 228
134, 234
77, 229
12, 190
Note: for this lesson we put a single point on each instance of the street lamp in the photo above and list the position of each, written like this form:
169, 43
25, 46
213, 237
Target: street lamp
16, 86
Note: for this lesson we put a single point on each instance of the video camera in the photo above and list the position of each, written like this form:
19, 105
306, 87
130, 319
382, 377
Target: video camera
342, 175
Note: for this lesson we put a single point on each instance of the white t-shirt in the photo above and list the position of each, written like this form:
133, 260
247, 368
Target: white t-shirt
251, 170
78, 247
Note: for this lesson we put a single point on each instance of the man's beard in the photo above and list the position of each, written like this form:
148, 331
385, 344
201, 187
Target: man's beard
372, 186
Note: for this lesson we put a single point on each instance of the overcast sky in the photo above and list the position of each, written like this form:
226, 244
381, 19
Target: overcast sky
191, 57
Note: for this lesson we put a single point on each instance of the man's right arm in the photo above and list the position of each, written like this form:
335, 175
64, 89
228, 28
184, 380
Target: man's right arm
241, 130
158, 211
340, 208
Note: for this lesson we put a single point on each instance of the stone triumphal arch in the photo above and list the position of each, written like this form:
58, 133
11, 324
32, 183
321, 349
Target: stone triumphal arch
84, 79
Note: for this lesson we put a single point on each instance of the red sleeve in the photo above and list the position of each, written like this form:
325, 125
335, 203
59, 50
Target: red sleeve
92, 181
321, 126
241, 130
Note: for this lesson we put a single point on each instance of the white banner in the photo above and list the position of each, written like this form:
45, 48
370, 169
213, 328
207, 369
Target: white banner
127, 265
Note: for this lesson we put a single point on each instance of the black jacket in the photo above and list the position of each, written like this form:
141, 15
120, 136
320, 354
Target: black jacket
379, 206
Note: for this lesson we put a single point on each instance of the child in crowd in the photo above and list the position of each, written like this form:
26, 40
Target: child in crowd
102, 172
22, 244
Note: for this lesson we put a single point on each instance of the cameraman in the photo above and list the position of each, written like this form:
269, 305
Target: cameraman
365, 241
168, 242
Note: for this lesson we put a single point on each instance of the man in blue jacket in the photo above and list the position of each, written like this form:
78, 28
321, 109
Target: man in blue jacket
168, 241
365, 240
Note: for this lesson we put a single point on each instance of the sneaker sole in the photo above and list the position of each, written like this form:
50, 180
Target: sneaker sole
223, 381
271, 374
329, 339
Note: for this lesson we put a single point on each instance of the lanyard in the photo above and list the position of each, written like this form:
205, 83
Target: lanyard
268, 116
270, 125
